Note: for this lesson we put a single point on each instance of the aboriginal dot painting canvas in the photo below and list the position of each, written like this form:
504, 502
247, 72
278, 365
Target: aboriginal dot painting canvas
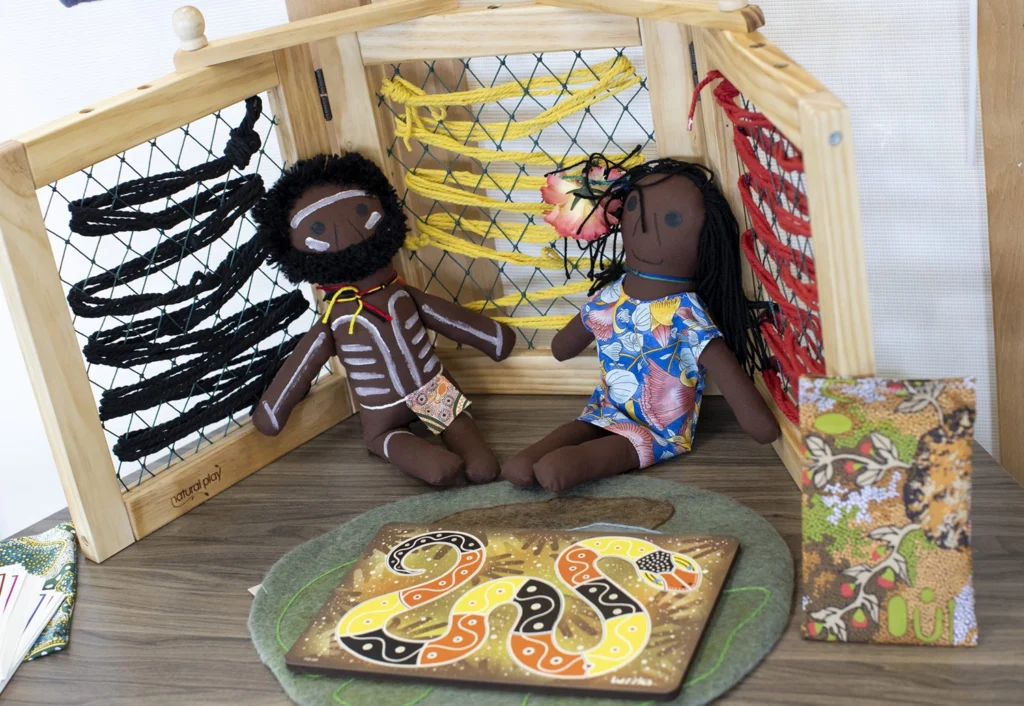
612, 614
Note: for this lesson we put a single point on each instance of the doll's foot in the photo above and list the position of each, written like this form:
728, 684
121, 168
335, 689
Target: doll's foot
464, 439
569, 466
419, 458
518, 471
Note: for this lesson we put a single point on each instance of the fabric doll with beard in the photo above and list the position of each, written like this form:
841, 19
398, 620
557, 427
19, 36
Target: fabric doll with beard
337, 221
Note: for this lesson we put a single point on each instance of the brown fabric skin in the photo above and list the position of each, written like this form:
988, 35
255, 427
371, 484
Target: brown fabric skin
385, 361
578, 452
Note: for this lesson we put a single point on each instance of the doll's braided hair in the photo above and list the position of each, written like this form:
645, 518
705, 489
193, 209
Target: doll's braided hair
718, 275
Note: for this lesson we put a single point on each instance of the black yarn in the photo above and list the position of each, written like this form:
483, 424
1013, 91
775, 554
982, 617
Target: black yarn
718, 273
351, 263
220, 361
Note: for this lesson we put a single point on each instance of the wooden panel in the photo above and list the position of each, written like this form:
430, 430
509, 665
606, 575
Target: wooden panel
529, 372
516, 29
243, 452
765, 75
301, 127
670, 84
93, 134
789, 445
312, 29
49, 345
1001, 63
834, 209
698, 13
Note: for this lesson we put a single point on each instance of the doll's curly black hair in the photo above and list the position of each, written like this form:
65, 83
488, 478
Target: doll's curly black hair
718, 275
355, 261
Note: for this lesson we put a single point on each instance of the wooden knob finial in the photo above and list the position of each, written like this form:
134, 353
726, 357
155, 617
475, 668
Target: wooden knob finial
190, 28
730, 5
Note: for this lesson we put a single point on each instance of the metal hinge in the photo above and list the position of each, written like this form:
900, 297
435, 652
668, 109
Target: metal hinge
693, 67
325, 101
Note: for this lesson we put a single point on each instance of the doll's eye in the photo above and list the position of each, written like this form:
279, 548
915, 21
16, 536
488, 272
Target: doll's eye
362, 209
631, 202
318, 228
673, 219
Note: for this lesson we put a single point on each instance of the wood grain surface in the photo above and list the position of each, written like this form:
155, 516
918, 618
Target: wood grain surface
164, 621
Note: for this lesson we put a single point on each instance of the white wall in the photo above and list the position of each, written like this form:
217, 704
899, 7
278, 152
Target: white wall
906, 84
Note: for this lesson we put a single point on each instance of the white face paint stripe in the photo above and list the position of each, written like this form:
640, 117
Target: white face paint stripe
402, 345
318, 245
373, 220
372, 391
271, 416
496, 340
358, 361
325, 201
424, 351
419, 336
356, 348
356, 375
388, 361
388, 439
298, 371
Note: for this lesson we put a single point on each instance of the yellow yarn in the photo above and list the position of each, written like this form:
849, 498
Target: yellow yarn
581, 89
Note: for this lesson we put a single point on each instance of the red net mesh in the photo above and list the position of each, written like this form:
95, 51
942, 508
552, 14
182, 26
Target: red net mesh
777, 246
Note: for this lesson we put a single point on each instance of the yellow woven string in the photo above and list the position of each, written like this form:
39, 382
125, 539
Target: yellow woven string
352, 295
582, 87
611, 77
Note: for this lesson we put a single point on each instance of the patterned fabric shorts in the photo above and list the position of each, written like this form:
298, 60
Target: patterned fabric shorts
437, 403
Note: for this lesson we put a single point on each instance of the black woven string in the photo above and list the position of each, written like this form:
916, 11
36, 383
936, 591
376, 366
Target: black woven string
221, 364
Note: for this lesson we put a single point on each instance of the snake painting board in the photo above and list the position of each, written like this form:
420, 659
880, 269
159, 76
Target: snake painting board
553, 611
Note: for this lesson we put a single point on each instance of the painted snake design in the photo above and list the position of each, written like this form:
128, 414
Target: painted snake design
531, 643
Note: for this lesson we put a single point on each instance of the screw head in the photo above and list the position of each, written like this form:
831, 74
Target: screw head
835, 138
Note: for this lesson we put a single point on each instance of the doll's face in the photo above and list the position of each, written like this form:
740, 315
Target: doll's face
673, 209
329, 218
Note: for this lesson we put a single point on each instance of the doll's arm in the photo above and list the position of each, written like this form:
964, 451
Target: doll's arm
292, 381
750, 409
458, 323
571, 340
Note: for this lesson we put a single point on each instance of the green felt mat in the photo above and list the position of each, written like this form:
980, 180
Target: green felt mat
748, 619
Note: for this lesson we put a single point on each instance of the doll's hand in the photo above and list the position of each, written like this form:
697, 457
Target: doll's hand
508, 342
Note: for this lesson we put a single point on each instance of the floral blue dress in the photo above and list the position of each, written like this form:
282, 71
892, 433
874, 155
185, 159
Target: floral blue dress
651, 378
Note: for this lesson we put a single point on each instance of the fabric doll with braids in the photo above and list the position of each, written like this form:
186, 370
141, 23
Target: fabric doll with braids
668, 308
336, 221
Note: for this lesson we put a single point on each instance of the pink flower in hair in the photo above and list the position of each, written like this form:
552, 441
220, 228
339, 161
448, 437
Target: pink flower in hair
577, 214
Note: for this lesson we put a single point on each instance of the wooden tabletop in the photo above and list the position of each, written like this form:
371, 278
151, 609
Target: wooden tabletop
164, 621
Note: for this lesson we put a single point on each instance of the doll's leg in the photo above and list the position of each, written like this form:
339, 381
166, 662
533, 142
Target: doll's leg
418, 457
464, 438
563, 468
519, 470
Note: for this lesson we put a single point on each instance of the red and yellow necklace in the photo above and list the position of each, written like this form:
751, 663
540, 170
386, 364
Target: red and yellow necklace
351, 293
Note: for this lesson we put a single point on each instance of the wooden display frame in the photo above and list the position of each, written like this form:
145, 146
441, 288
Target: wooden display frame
281, 61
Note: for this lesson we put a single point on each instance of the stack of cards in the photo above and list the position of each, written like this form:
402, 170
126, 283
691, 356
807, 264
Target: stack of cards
25, 610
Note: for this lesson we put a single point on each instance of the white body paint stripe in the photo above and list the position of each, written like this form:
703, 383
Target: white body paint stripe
356, 375
411, 321
496, 339
419, 336
388, 439
431, 363
358, 361
424, 351
373, 220
383, 406
388, 361
325, 201
402, 345
356, 348
372, 391
271, 416
318, 245
298, 371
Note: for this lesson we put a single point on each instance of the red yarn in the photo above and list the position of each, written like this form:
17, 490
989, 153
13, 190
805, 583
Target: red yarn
779, 259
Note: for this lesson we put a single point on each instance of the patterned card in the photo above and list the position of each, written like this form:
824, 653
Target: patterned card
588, 612
886, 510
